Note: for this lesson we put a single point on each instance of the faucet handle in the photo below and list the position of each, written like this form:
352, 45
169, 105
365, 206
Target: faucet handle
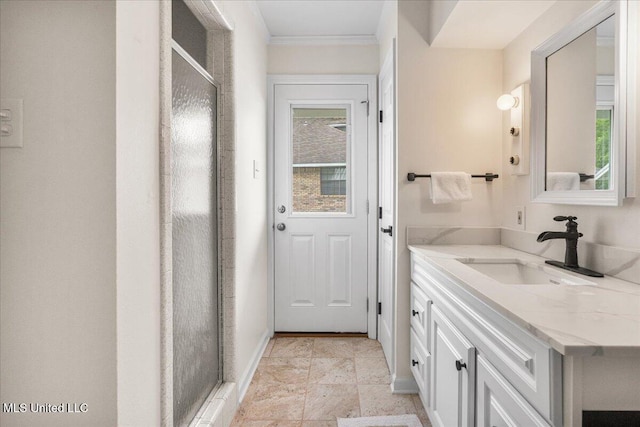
565, 218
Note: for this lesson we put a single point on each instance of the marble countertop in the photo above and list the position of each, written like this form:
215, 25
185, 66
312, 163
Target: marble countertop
600, 320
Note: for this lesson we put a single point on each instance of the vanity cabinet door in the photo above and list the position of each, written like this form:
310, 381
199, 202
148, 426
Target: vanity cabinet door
420, 365
499, 404
453, 374
420, 313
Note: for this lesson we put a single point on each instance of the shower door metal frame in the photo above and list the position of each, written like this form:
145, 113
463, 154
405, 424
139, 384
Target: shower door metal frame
218, 163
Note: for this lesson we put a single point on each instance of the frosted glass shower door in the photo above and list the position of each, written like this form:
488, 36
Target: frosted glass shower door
196, 351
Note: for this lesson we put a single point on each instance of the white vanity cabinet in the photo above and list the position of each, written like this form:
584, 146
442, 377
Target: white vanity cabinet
453, 380
473, 366
498, 403
420, 345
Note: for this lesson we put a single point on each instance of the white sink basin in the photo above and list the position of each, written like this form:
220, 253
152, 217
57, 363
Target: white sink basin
518, 272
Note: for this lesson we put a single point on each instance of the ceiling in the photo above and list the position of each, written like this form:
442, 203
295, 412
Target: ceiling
299, 19
488, 24
471, 24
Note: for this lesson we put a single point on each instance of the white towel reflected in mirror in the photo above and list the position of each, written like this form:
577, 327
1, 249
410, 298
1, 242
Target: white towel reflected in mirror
563, 181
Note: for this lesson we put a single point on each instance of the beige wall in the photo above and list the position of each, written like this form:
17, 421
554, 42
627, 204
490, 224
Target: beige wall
617, 226
447, 121
58, 200
250, 93
339, 59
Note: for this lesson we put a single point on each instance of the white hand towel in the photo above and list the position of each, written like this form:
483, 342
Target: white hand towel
563, 181
448, 187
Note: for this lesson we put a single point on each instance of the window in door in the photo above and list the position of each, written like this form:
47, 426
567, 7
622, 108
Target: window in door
321, 173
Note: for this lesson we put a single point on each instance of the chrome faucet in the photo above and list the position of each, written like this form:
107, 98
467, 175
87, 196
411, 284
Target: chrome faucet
571, 236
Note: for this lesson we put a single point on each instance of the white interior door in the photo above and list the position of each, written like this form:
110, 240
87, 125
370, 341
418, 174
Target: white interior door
386, 186
320, 196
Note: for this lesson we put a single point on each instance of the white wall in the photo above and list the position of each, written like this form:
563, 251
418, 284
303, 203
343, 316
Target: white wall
616, 226
250, 92
58, 220
337, 59
137, 210
387, 29
439, 11
447, 121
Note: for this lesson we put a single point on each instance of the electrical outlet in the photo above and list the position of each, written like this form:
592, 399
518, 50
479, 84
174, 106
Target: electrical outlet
519, 213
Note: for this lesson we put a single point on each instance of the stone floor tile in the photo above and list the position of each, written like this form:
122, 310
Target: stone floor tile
377, 400
275, 402
292, 347
267, 350
333, 347
372, 370
420, 411
319, 424
326, 402
332, 371
365, 347
289, 370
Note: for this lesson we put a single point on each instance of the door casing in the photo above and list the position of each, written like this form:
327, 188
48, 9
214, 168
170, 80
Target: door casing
372, 184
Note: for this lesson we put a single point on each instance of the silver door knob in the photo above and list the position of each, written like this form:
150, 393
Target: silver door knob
281, 226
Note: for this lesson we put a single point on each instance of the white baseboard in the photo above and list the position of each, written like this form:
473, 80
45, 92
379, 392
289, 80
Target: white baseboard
247, 375
403, 385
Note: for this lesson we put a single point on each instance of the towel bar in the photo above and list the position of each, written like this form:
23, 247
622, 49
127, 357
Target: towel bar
584, 177
489, 176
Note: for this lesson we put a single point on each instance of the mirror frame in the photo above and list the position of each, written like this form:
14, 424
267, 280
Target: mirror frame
623, 146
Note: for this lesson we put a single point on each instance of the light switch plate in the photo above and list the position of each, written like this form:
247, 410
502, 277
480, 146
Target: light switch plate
519, 217
11, 135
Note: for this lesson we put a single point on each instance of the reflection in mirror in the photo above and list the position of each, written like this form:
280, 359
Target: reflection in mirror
580, 111
583, 109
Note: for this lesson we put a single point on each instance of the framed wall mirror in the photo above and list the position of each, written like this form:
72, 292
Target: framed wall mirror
580, 102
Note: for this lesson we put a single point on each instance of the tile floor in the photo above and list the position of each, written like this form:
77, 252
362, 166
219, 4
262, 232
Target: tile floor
309, 382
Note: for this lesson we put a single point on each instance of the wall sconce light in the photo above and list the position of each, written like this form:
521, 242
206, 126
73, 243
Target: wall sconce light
507, 101
516, 103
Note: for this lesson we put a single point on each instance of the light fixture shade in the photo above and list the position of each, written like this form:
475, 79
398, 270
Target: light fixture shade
506, 102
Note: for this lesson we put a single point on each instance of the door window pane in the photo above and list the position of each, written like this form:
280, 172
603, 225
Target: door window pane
321, 173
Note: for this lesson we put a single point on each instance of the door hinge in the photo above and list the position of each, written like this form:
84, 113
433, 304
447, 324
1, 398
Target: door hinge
379, 212
380, 116
379, 308
366, 102
367, 207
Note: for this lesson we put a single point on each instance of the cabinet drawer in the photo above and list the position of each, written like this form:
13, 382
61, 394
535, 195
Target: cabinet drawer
499, 404
420, 363
420, 313
530, 365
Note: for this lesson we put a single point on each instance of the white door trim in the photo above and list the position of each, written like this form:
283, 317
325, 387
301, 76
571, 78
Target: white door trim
372, 181
389, 69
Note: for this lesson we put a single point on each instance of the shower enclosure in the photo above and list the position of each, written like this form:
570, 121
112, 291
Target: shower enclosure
194, 165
